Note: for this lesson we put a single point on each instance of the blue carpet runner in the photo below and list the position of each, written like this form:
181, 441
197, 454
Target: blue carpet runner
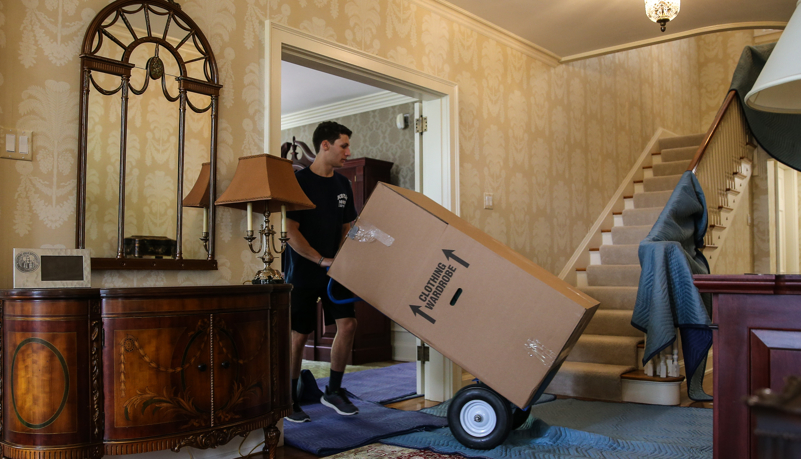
579, 429
381, 385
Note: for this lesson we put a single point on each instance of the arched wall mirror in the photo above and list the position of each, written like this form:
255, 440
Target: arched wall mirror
148, 123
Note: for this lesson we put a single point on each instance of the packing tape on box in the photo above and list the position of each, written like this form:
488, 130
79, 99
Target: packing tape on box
540, 351
365, 232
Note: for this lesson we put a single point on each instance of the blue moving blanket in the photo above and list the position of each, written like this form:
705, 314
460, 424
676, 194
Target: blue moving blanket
667, 298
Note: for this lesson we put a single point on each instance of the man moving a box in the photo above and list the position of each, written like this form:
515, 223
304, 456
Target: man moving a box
314, 238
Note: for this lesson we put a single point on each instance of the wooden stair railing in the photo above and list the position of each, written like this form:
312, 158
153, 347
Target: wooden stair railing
719, 161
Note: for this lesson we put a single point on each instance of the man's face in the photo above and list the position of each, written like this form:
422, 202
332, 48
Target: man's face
338, 152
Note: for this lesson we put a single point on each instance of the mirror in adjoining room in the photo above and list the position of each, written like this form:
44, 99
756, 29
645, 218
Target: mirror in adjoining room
149, 104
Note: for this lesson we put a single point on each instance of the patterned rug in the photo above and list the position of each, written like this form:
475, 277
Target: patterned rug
377, 451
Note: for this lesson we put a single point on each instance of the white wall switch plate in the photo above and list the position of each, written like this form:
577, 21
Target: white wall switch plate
488, 201
18, 144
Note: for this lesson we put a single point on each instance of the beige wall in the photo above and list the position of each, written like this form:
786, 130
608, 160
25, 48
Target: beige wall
374, 136
551, 144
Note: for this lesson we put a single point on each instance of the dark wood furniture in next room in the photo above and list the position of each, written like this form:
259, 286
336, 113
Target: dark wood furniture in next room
372, 342
88, 372
757, 345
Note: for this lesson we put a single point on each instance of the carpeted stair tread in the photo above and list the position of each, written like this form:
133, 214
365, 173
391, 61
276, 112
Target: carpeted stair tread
681, 141
618, 254
623, 275
613, 322
605, 349
667, 183
639, 217
671, 168
679, 154
651, 199
625, 235
589, 380
613, 297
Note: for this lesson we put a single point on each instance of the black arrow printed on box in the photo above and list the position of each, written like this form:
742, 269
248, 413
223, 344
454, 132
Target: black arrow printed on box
449, 255
418, 310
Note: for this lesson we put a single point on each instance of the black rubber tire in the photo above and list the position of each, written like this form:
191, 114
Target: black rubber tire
519, 417
501, 408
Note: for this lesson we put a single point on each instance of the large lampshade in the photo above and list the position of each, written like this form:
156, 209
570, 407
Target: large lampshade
199, 195
778, 87
268, 182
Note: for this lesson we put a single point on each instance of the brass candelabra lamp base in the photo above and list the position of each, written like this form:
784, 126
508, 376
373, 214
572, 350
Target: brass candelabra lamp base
267, 275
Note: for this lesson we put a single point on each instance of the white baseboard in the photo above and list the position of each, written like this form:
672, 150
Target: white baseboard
652, 392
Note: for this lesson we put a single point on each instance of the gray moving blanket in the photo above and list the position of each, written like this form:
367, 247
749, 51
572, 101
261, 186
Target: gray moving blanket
779, 134
667, 298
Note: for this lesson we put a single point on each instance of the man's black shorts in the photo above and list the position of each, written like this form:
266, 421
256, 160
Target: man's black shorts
304, 307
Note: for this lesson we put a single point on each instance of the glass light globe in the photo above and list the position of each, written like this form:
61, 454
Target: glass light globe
662, 11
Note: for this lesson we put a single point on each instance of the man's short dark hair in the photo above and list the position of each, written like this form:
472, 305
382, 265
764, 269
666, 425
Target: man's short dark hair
330, 131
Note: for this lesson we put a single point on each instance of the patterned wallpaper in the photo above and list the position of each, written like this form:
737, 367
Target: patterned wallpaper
551, 144
374, 136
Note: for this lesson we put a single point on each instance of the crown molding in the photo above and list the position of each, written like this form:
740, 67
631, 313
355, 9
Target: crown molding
674, 36
489, 30
339, 109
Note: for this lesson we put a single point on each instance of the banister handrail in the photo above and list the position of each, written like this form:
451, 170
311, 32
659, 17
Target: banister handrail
702, 148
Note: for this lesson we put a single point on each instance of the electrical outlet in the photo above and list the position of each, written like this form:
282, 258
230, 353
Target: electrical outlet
488, 201
18, 144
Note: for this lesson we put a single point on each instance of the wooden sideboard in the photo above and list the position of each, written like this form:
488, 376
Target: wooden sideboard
373, 342
756, 346
88, 372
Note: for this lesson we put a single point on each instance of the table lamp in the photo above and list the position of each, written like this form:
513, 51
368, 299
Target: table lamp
265, 184
199, 197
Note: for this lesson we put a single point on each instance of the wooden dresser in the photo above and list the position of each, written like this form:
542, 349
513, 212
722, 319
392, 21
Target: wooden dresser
373, 342
88, 372
757, 345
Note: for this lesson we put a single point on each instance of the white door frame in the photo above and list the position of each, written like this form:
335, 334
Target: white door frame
292, 45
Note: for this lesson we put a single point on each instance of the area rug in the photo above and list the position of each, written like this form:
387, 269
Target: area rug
578, 429
330, 433
379, 451
381, 385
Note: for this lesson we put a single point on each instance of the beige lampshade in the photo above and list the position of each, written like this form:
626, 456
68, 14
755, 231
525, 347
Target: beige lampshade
778, 87
268, 182
199, 196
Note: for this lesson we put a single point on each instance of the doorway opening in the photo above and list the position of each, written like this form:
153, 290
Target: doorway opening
436, 151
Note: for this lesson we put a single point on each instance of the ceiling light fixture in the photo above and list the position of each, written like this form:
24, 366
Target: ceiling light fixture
662, 11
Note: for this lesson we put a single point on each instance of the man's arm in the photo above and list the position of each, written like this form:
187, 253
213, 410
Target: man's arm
300, 245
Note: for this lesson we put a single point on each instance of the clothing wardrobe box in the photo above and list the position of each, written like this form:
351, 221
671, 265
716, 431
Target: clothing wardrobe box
498, 315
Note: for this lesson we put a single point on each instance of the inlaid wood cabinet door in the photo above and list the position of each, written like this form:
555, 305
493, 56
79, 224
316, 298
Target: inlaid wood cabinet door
161, 371
45, 373
241, 365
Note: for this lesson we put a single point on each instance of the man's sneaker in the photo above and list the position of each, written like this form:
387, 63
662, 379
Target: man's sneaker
298, 415
338, 400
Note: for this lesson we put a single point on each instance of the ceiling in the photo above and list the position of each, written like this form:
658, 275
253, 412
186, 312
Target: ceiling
569, 27
303, 88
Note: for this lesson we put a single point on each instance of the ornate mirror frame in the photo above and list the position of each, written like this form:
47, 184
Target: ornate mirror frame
98, 31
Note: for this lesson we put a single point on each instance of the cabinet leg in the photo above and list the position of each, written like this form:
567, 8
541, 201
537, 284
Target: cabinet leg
271, 436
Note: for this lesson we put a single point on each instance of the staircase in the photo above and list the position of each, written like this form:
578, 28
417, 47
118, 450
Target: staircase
607, 352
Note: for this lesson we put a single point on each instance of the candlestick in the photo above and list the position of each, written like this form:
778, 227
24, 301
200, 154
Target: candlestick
205, 220
250, 216
283, 218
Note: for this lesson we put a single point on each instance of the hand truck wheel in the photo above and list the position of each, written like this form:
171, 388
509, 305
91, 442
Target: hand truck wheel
479, 417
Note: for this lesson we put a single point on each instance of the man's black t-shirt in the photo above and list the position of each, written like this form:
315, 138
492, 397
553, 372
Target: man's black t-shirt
321, 226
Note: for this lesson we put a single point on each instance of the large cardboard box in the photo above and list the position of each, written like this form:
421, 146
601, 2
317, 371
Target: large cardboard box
506, 320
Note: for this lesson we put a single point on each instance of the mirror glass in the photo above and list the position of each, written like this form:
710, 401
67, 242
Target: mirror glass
152, 135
